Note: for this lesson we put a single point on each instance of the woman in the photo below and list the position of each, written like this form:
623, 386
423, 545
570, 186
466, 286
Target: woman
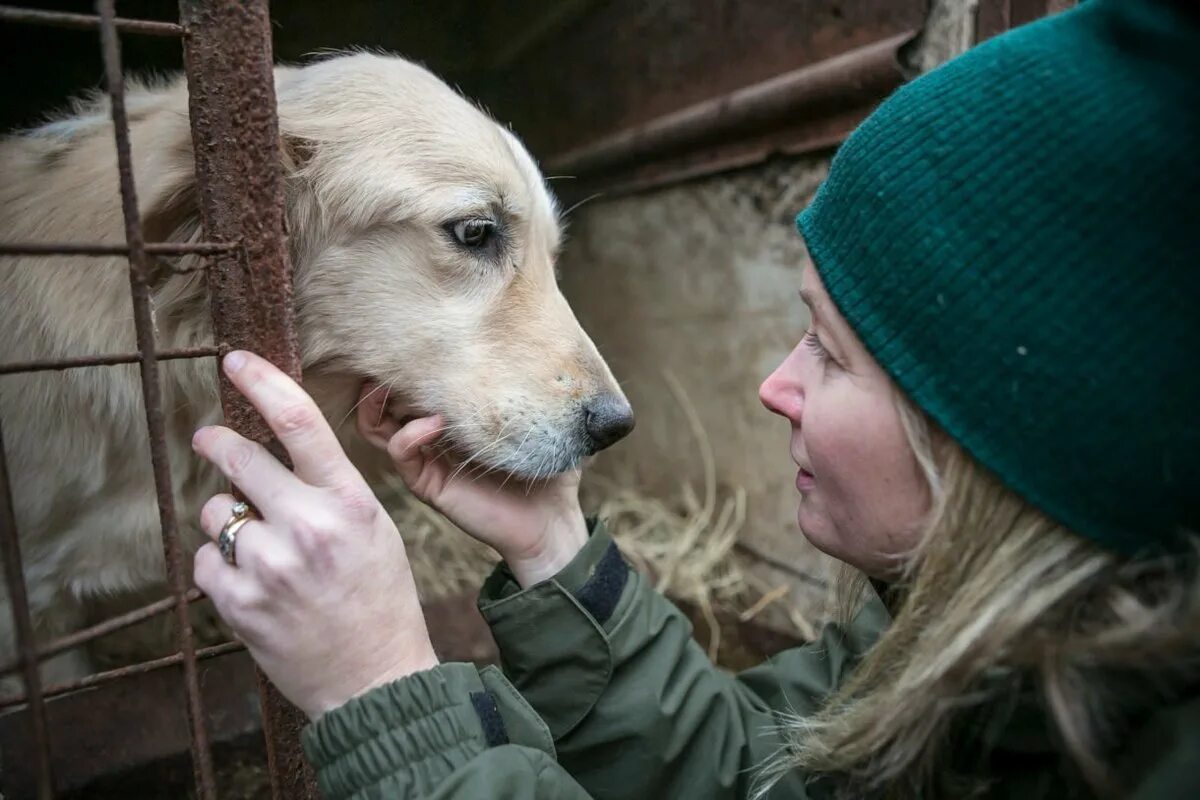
995, 412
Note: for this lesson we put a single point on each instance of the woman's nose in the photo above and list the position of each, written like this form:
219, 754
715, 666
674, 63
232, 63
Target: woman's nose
781, 395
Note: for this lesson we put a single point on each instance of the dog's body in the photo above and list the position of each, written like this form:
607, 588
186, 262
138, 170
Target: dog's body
423, 241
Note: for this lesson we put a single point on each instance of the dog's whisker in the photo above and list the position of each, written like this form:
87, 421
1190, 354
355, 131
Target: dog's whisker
484, 449
587, 199
543, 463
514, 459
478, 453
354, 407
383, 406
481, 471
474, 474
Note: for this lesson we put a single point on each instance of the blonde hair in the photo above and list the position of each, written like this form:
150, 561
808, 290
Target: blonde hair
995, 597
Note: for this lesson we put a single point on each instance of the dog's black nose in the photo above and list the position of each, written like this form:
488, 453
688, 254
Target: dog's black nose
608, 419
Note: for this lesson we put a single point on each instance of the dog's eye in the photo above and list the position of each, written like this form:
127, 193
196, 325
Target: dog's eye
474, 233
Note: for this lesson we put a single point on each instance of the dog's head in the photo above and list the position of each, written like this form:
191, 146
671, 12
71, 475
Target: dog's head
424, 243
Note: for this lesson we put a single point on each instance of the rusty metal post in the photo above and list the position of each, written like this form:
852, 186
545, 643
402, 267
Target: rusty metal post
235, 133
139, 282
14, 575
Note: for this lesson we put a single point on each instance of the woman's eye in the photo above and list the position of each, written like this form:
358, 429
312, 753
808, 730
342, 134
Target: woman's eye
474, 233
813, 343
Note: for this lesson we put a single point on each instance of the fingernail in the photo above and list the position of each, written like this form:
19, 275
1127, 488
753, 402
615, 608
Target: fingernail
235, 361
196, 435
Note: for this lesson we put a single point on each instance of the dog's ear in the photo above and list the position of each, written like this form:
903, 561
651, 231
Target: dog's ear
178, 283
174, 217
295, 152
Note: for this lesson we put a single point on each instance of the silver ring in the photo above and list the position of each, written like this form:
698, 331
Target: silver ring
239, 515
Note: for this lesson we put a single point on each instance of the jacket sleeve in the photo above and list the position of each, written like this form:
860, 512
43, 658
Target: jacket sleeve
634, 706
450, 733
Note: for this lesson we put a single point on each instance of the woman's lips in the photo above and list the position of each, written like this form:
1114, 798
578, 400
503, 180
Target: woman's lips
805, 482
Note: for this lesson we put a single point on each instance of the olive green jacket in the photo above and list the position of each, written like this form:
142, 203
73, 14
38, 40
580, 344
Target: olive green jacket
604, 694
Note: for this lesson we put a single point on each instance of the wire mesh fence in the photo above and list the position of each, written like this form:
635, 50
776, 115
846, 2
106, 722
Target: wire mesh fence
228, 62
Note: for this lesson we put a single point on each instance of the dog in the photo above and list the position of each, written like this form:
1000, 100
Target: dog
424, 242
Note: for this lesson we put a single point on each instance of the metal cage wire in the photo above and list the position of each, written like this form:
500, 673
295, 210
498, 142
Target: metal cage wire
228, 62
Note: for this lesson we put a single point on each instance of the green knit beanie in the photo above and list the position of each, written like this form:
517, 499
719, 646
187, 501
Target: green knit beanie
1015, 237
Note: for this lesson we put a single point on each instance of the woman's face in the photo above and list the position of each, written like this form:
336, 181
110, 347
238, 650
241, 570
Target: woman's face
862, 495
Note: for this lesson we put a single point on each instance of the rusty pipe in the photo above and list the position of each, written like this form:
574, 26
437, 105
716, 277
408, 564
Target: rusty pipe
851, 77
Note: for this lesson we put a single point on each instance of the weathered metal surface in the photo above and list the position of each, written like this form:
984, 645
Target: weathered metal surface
652, 83
36, 729
140, 278
809, 109
81, 249
111, 625
58, 19
235, 133
236, 141
130, 721
49, 364
844, 80
140, 668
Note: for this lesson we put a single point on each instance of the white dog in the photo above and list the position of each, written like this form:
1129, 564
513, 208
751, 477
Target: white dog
423, 240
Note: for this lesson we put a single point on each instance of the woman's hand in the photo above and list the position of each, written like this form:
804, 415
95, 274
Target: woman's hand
321, 593
537, 528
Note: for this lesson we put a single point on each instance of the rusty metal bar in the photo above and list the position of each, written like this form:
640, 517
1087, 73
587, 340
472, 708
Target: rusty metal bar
82, 249
125, 738
54, 690
14, 576
139, 281
110, 625
50, 364
780, 564
844, 79
89, 22
231, 90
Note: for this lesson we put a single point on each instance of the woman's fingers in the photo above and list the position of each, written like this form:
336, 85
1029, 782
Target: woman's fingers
215, 513
375, 424
267, 483
227, 586
208, 570
419, 469
294, 417
251, 539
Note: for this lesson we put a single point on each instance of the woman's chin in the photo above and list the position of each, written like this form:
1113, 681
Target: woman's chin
821, 533
815, 528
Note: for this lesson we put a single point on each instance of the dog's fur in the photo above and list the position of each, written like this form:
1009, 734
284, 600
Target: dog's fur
381, 160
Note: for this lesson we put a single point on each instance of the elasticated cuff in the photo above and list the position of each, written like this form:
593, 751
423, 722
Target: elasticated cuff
553, 637
413, 733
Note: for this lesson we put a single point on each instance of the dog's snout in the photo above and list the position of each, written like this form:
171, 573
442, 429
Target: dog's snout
608, 419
